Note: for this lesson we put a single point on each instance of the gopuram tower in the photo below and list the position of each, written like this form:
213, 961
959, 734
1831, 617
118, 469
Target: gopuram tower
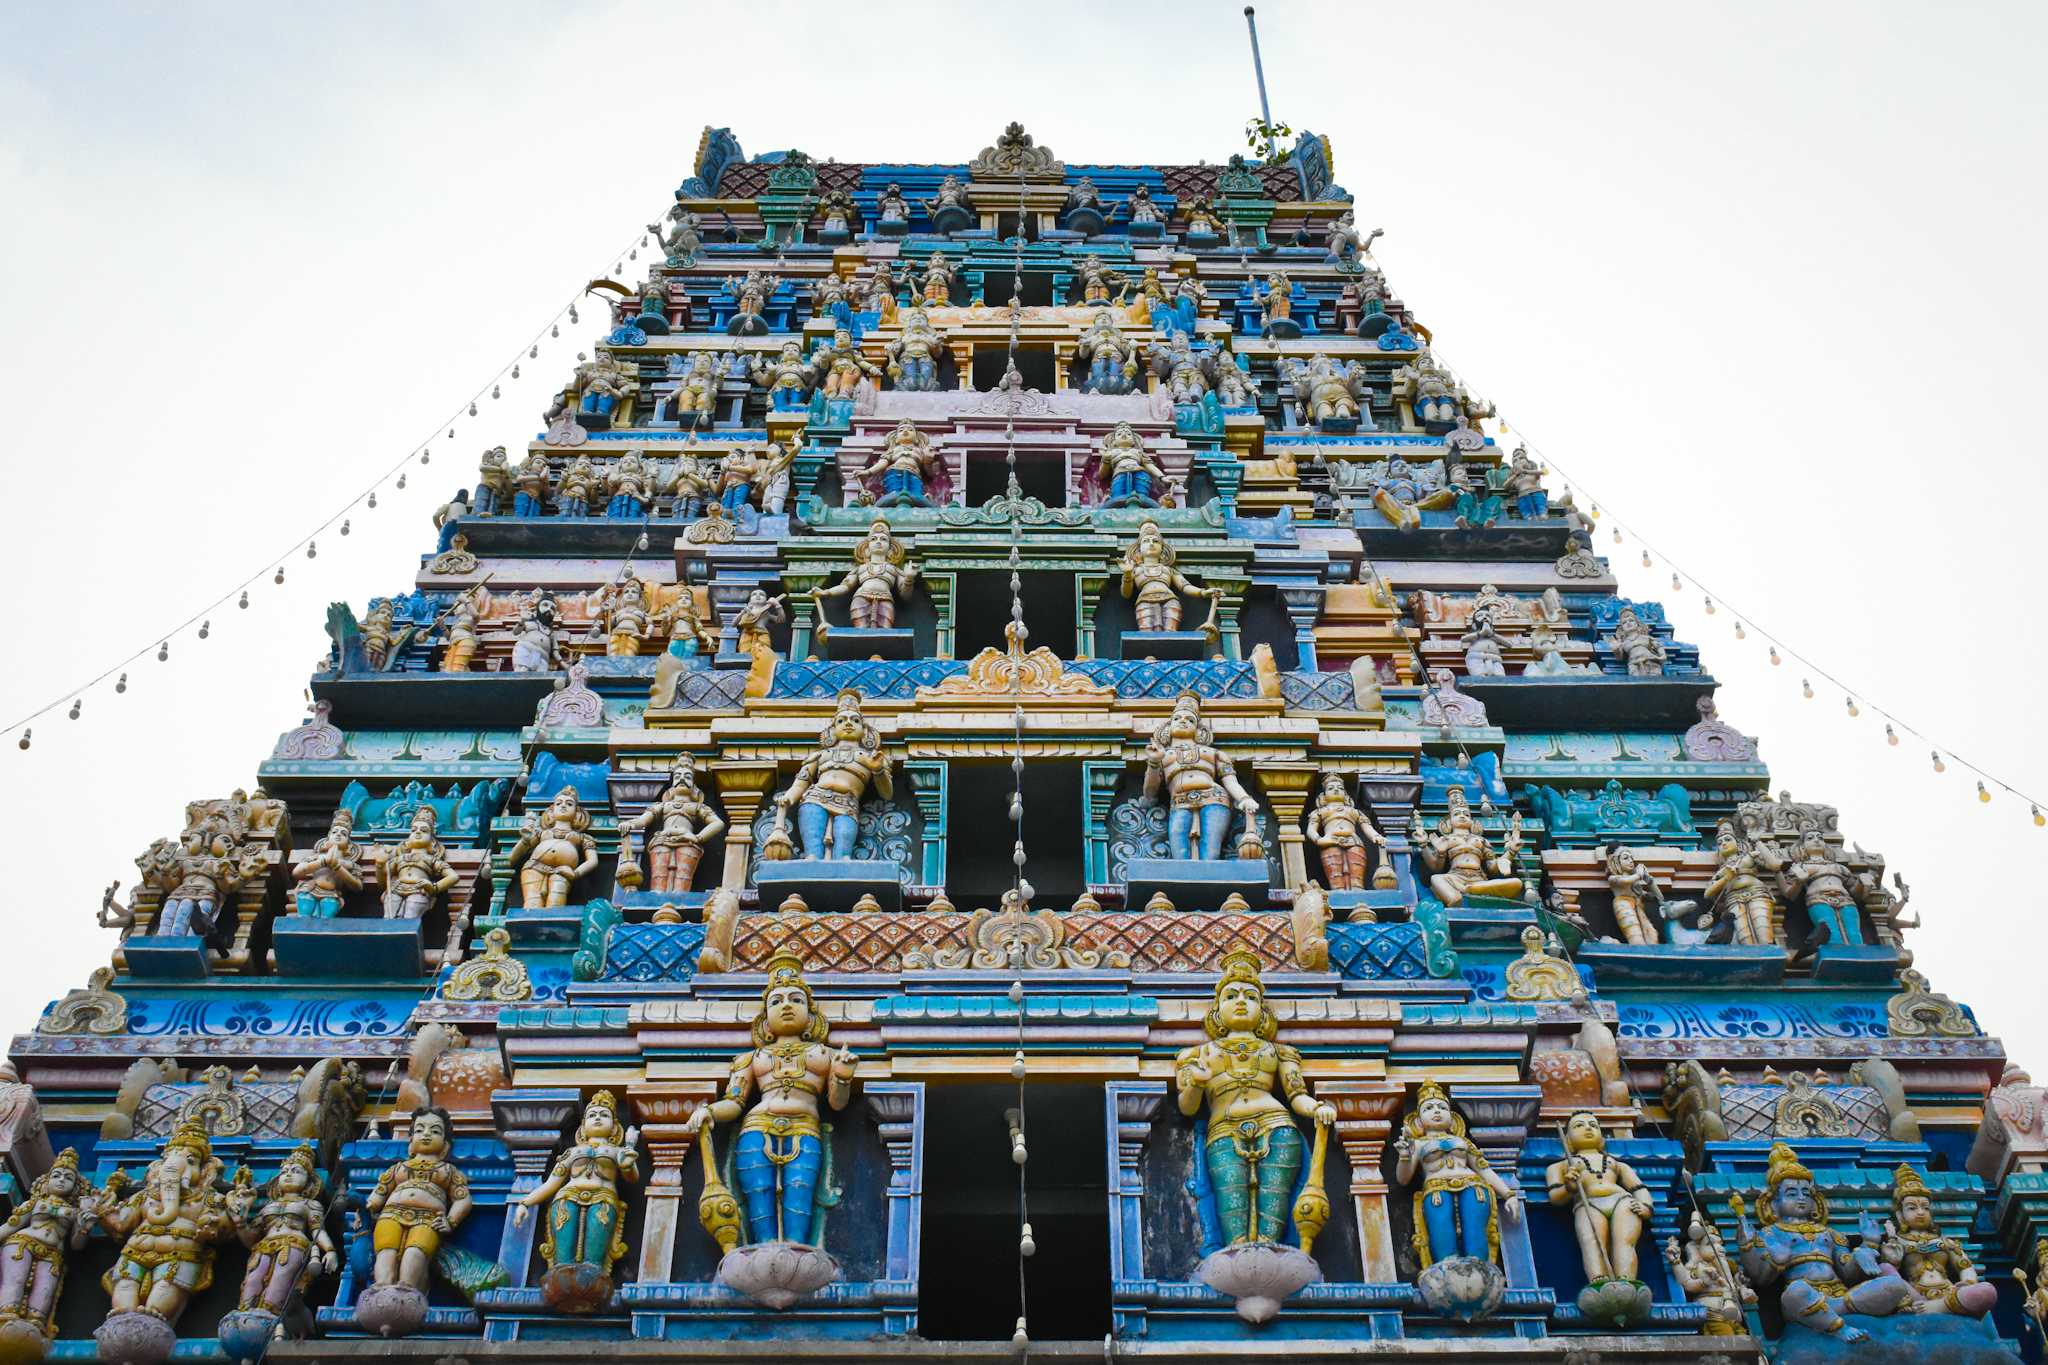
1016, 767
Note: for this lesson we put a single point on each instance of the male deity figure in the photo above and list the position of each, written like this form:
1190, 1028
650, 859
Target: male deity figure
1127, 469
1940, 1272
1201, 784
830, 783
417, 1201
1609, 1203
677, 827
1156, 585
1822, 1278
1462, 863
914, 355
1525, 486
329, 872
906, 463
554, 849
171, 1223
1703, 1271
879, 575
494, 483
1340, 831
416, 872
1831, 893
781, 1149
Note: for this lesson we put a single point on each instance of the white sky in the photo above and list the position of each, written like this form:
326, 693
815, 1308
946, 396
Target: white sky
1766, 278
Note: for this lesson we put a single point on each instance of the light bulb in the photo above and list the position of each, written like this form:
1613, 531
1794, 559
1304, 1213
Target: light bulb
401, 481
1676, 586
1596, 506
373, 500
515, 369
573, 319
163, 652
344, 525
122, 684
75, 706
451, 433
1017, 1066
26, 736
1016, 992
1891, 736
1850, 702
1646, 559
205, 629
1617, 535
494, 390
1939, 766
427, 456
312, 550
1774, 655
2039, 818
1017, 1153
641, 544
244, 604
472, 407
533, 351
278, 577
554, 331
1020, 1338
1806, 687
1740, 633
1710, 606
1983, 793
1026, 1244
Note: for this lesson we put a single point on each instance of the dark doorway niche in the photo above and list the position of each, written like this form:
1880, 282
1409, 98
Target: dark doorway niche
978, 863
984, 609
1035, 364
967, 1288
1041, 474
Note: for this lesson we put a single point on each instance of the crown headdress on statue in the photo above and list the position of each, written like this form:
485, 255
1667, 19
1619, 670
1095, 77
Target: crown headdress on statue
1240, 968
1785, 1165
1427, 1091
1240, 964
604, 1099
67, 1158
1907, 1183
192, 1136
787, 969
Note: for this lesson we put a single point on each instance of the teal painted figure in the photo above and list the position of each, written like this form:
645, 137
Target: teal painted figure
1822, 1278
1253, 1088
780, 1155
586, 1209
329, 872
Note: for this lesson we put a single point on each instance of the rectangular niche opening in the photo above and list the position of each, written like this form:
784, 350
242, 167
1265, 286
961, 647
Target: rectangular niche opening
984, 609
998, 285
979, 838
1041, 474
1033, 362
967, 1282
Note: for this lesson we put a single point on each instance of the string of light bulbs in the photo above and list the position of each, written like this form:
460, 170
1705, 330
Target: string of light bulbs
1854, 699
308, 543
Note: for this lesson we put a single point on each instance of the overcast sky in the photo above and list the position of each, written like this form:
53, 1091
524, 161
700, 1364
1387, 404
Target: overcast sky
1766, 278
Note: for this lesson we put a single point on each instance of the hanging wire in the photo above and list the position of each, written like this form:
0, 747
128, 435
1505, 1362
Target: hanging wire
301, 543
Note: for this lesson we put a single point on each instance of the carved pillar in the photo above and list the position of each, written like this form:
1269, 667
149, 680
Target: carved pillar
1366, 1111
802, 613
1087, 596
532, 1123
1099, 781
897, 1108
927, 778
803, 482
662, 1113
963, 361
1304, 606
1287, 787
943, 589
1130, 1108
741, 789
1230, 643
1392, 804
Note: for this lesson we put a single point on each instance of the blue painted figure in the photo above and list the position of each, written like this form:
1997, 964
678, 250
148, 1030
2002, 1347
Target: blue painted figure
1134, 477
1525, 483
1476, 505
494, 483
1459, 1198
780, 1154
532, 481
831, 782
1831, 892
1822, 1277
1201, 783
904, 463
630, 484
329, 872
580, 483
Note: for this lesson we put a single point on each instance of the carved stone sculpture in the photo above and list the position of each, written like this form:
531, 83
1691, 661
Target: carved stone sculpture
1340, 831
1458, 1204
1200, 784
416, 1203
880, 574
171, 1223
1818, 1277
829, 785
586, 1209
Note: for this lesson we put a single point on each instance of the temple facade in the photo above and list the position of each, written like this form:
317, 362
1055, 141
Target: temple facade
1015, 768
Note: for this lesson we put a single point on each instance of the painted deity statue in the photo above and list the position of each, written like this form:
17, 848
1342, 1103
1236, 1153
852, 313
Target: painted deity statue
907, 463
843, 367
788, 377
1152, 300
1340, 831
879, 297
586, 1208
914, 354
675, 828
1327, 391
554, 849
1460, 861
416, 1203
1111, 361
1277, 302
1609, 1203
750, 295
493, 483
1154, 584
1128, 471
171, 1223
682, 238
533, 646
1253, 1089
1821, 1278
1093, 282
198, 874
629, 487
597, 390
1459, 1198
287, 1237
774, 475
1177, 364
1637, 646
1201, 785
694, 480
53, 1221
1200, 217
780, 1154
1482, 645
417, 872
829, 784
1704, 1272
332, 870
622, 612
891, 208
880, 574
756, 618
839, 212
532, 480
579, 486
1235, 386
459, 627
738, 473
1639, 904
376, 630
935, 285
1141, 208
696, 393
1525, 486
1832, 894
1738, 890
1942, 1276
952, 195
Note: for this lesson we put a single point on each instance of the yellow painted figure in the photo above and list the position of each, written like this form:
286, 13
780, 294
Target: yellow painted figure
417, 1201
171, 1223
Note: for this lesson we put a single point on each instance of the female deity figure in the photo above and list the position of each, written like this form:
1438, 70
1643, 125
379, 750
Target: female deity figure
755, 619
1609, 1203
417, 1201
287, 1237
1738, 891
1632, 886
630, 486
586, 1208
1637, 646
880, 574
554, 849
1340, 831
417, 871
533, 648
1822, 1277
531, 479
1482, 646
685, 824
458, 625
1153, 582
914, 354
171, 1223
620, 609
1201, 785
907, 461
580, 486
788, 378
1112, 361
780, 1154
53, 1221
1462, 864
330, 872
1830, 892
830, 783
1459, 1199
1253, 1088
1704, 1273
696, 391
1942, 1277
1128, 471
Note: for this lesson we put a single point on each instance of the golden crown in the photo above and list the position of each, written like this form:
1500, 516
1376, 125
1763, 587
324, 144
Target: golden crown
1907, 1183
1784, 1166
67, 1158
1240, 964
193, 1137
603, 1099
786, 969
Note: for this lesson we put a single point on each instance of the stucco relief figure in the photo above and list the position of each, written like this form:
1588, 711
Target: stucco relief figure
586, 1208
907, 463
1154, 584
417, 872
46, 1226
1461, 862
330, 872
1340, 832
830, 783
880, 574
416, 1203
1817, 1276
1200, 785
675, 828
554, 848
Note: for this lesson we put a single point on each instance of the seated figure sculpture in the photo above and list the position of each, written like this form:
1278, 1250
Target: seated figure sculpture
1201, 786
1937, 1269
788, 377
1461, 863
830, 783
1111, 360
1821, 1278
914, 354
695, 398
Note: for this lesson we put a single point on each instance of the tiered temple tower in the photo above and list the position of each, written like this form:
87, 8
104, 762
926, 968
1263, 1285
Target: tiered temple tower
993, 667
